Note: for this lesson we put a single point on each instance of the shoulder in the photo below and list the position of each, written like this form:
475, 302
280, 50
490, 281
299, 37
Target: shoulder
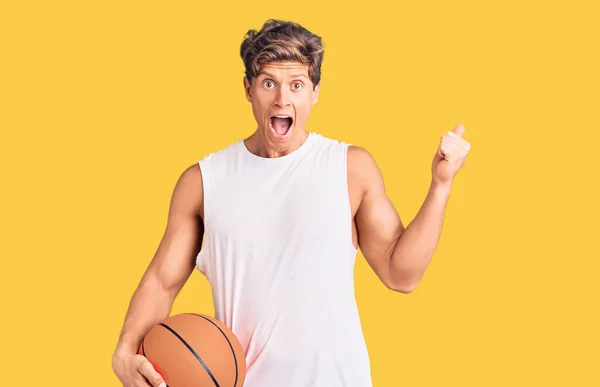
363, 169
361, 162
359, 154
191, 176
188, 191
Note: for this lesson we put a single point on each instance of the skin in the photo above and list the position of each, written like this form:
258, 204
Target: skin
399, 255
282, 89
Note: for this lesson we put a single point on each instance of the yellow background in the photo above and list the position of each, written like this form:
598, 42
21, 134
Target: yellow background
103, 105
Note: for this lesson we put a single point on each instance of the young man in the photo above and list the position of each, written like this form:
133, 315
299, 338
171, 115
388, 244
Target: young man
280, 216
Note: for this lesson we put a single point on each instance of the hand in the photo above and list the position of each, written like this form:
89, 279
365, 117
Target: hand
450, 156
135, 370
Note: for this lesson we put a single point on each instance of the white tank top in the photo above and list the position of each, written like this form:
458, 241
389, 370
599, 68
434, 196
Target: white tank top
279, 257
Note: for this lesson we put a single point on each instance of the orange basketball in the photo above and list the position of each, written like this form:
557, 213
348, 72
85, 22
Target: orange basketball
190, 350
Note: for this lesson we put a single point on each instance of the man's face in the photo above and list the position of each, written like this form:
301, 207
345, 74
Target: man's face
282, 89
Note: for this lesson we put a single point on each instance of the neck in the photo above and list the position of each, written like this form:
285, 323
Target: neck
263, 146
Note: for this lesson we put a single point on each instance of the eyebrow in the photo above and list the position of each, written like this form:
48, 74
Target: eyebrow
296, 75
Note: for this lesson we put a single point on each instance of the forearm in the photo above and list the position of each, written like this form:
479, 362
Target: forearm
417, 243
150, 304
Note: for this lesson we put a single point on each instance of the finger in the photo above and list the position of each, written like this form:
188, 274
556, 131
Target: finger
457, 151
147, 370
459, 130
452, 134
440, 153
451, 150
457, 138
459, 143
446, 152
141, 382
442, 149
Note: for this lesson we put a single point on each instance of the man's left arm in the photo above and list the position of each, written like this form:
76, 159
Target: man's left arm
398, 255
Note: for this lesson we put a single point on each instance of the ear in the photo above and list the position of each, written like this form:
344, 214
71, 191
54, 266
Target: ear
315, 93
247, 88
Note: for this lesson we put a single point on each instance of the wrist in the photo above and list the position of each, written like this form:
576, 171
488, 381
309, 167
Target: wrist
441, 187
118, 363
120, 355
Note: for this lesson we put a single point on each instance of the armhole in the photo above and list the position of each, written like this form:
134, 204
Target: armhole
200, 258
348, 205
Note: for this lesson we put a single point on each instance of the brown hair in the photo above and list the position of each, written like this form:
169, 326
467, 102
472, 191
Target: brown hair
279, 41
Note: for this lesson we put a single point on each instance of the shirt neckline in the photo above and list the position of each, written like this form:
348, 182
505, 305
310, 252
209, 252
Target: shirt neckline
290, 156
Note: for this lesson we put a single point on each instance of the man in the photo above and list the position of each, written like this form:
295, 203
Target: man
280, 217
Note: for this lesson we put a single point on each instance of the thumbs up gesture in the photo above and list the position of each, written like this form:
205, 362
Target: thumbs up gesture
450, 156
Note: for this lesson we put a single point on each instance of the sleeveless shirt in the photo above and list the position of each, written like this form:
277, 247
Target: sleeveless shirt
278, 254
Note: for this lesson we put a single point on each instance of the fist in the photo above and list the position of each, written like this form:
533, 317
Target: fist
450, 156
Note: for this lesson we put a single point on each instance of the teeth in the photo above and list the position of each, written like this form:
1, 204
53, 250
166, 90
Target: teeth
282, 116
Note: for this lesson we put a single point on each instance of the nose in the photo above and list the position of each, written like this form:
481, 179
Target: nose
283, 98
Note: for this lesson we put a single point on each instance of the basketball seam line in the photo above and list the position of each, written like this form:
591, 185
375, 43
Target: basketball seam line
228, 342
193, 352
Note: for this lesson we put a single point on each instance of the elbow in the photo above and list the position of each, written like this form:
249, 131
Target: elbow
403, 282
402, 287
402, 279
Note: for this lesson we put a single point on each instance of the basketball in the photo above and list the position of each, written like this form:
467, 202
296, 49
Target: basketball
195, 350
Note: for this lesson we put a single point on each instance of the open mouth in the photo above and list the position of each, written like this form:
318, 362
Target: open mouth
281, 125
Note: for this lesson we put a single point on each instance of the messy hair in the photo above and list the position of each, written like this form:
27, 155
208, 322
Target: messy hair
282, 41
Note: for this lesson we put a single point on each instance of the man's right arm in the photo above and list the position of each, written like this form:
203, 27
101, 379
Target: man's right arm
165, 276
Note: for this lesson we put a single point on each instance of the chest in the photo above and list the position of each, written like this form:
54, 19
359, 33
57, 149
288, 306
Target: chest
310, 204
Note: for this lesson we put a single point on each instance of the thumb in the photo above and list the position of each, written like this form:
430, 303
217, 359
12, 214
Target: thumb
459, 130
148, 371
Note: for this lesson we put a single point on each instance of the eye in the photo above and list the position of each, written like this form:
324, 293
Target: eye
268, 84
297, 84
